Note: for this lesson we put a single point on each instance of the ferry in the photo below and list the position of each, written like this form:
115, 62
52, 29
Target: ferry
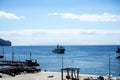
59, 49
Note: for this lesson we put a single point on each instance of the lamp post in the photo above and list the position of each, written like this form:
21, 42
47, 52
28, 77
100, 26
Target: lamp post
62, 62
12, 54
109, 75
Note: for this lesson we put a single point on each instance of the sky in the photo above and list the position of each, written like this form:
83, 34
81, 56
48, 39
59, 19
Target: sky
65, 22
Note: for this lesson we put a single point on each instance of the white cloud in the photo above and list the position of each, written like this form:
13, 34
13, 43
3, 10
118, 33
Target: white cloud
105, 17
5, 15
63, 36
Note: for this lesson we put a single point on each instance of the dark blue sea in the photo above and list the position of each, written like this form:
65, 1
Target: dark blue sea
90, 59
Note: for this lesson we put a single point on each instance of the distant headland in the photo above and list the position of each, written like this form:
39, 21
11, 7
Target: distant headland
5, 42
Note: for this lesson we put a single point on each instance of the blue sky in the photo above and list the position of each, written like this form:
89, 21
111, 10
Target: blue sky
67, 22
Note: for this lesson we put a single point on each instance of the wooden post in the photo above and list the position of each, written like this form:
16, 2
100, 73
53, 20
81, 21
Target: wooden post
72, 74
61, 74
68, 75
77, 73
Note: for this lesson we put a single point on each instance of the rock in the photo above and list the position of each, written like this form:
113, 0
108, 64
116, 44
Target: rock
5, 42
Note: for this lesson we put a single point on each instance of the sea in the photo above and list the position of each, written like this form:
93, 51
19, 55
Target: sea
91, 59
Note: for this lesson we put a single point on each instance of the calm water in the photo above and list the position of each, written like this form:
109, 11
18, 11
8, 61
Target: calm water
90, 59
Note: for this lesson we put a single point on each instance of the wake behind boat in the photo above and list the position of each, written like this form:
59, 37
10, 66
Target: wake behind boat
59, 49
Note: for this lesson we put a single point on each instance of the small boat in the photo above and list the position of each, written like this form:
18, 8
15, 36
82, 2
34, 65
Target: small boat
59, 49
1, 56
118, 57
118, 50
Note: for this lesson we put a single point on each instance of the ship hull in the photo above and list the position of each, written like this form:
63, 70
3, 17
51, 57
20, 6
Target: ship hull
59, 51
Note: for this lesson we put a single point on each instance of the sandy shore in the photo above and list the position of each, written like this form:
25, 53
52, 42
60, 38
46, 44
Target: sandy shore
47, 76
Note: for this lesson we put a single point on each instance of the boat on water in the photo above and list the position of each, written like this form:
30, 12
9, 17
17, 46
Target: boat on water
1, 56
59, 49
118, 50
118, 57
